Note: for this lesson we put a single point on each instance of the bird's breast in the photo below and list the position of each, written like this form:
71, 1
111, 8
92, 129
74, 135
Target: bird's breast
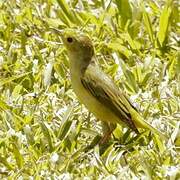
92, 104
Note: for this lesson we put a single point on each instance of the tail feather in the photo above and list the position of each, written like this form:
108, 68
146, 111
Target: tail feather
140, 123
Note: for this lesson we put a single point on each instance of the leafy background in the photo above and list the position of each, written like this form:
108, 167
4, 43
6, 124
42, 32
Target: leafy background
45, 132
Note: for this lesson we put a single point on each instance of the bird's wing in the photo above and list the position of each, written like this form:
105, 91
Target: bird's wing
108, 94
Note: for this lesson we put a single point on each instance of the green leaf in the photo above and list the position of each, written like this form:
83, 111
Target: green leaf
115, 45
125, 11
55, 22
146, 77
4, 106
10, 79
148, 25
47, 135
172, 67
19, 158
65, 8
164, 25
6, 163
131, 80
67, 122
68, 12
133, 44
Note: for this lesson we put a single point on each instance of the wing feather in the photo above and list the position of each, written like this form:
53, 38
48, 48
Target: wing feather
108, 94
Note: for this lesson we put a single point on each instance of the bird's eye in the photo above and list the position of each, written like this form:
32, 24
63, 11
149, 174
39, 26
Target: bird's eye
70, 39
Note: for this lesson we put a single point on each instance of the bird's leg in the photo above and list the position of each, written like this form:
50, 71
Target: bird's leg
128, 142
107, 128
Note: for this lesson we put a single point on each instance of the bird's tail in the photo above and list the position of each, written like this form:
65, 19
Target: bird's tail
140, 123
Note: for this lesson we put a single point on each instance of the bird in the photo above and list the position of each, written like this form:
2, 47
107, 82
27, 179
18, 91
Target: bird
96, 90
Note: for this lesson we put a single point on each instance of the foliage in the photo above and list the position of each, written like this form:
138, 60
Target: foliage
45, 132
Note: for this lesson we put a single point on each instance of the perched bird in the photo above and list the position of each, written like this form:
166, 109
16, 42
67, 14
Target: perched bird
96, 90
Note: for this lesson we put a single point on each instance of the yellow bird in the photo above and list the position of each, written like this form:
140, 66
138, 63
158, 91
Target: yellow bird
96, 90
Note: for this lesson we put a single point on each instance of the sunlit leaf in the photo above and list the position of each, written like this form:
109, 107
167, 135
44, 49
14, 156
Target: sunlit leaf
164, 24
125, 10
19, 158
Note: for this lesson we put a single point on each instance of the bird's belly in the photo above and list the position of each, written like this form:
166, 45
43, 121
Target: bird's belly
93, 105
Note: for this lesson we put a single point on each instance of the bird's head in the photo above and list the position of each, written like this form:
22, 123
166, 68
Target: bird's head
78, 45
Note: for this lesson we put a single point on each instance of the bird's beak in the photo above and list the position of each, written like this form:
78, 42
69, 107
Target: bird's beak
57, 31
